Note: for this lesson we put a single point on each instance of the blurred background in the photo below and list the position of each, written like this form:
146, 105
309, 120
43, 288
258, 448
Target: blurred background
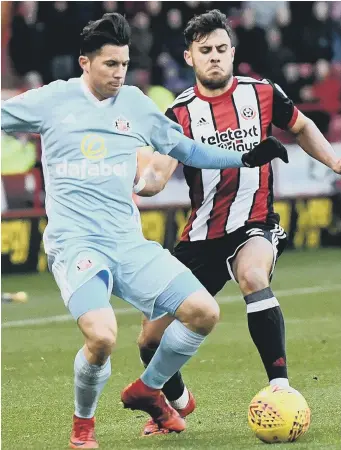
296, 44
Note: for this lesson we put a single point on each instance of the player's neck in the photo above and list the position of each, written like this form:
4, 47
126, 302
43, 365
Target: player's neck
92, 89
205, 92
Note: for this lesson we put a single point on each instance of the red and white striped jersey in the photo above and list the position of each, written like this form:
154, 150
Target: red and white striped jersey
224, 200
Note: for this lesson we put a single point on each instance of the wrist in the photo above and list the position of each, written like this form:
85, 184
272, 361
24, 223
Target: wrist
245, 160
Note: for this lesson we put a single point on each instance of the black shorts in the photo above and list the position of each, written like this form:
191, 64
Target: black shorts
211, 260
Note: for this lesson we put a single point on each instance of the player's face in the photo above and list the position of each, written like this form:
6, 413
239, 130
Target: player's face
106, 70
212, 59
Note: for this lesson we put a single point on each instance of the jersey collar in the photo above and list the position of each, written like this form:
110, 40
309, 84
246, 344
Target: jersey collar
92, 98
219, 98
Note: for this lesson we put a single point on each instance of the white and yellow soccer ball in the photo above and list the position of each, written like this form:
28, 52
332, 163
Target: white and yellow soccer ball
278, 414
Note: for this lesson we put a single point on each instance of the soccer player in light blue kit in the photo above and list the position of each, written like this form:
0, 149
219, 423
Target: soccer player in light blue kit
91, 128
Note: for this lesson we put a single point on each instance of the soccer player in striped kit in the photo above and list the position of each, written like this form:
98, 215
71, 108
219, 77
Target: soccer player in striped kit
233, 232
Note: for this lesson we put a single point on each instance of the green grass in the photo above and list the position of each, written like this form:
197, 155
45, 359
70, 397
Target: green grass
37, 367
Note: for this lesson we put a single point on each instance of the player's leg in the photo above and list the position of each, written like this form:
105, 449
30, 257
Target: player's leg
148, 342
196, 315
252, 268
90, 306
206, 261
181, 399
85, 285
183, 297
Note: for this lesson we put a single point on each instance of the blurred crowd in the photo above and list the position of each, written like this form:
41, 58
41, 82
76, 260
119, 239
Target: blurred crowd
293, 43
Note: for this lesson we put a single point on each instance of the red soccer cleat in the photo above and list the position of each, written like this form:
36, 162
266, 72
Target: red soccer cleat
83, 433
139, 396
152, 428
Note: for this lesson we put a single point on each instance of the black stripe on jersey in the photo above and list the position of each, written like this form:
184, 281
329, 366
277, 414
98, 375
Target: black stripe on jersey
190, 120
259, 109
170, 114
183, 98
185, 93
235, 110
271, 216
244, 79
260, 168
184, 103
238, 181
251, 82
219, 182
213, 118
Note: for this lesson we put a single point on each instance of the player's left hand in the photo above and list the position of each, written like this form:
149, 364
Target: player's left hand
265, 152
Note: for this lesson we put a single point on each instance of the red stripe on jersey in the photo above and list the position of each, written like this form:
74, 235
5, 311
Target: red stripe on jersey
196, 193
226, 193
181, 113
229, 179
260, 207
192, 175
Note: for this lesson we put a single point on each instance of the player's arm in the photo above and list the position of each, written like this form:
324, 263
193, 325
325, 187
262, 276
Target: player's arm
312, 141
204, 156
308, 136
153, 171
25, 112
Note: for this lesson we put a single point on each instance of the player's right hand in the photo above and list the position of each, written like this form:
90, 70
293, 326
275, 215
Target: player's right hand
265, 152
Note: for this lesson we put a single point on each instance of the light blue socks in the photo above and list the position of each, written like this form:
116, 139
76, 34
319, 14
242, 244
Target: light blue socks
90, 380
177, 346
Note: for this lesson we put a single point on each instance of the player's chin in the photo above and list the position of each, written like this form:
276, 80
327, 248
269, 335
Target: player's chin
113, 90
217, 81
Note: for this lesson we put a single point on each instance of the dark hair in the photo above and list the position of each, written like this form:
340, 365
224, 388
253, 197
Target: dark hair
200, 26
112, 29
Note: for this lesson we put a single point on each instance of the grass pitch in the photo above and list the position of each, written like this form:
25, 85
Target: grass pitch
38, 354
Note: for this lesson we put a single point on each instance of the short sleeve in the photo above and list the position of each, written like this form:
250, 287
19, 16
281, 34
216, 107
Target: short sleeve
284, 112
25, 112
160, 132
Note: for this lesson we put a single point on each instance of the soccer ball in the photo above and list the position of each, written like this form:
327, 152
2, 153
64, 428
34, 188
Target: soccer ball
278, 414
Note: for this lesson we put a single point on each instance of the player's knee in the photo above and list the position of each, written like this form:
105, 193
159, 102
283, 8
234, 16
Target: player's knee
100, 330
102, 340
203, 314
147, 342
253, 279
204, 320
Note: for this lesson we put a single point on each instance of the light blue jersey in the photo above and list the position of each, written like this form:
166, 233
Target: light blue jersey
88, 155
89, 161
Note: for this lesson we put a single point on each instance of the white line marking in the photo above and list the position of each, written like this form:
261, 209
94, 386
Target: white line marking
221, 300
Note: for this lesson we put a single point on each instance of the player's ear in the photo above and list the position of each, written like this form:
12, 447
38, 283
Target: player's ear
84, 63
233, 50
188, 58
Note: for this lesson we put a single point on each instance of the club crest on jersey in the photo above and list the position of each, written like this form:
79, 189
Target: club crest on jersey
84, 264
122, 124
248, 112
